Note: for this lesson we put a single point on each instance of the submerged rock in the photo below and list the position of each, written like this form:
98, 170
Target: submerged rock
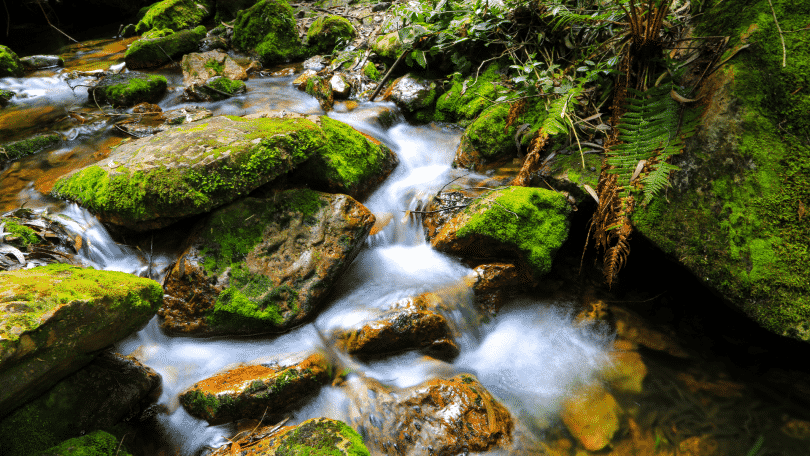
10, 64
592, 416
53, 318
39, 62
263, 265
268, 30
257, 390
327, 32
99, 396
317, 436
128, 89
154, 52
152, 182
96, 443
520, 223
440, 416
412, 323
175, 15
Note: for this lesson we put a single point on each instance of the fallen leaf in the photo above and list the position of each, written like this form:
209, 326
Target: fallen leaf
801, 210
78, 242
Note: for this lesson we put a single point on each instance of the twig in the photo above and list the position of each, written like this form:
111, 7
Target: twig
217, 91
120, 443
8, 18
445, 185
49, 23
449, 208
781, 36
506, 209
388, 75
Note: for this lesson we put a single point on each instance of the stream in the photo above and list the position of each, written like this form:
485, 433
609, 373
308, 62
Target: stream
531, 356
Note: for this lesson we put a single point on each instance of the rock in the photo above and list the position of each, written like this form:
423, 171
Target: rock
632, 327
128, 89
448, 416
268, 30
186, 115
128, 31
54, 317
320, 88
200, 67
485, 144
5, 97
329, 32
99, 396
370, 71
301, 81
10, 64
521, 223
626, 370
251, 391
152, 182
389, 46
175, 15
216, 88
39, 62
266, 275
154, 52
415, 96
411, 323
213, 43
312, 437
30, 146
96, 443
341, 87
315, 63
468, 98
445, 205
495, 282
592, 416
703, 445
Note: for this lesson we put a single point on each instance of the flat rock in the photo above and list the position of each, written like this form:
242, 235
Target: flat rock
199, 67
315, 436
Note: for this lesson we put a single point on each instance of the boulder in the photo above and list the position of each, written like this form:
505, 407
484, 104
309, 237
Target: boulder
99, 396
329, 31
128, 89
524, 224
187, 115
268, 29
626, 370
214, 43
341, 86
441, 416
30, 146
5, 97
10, 64
200, 67
411, 323
315, 436
39, 62
53, 318
269, 274
415, 97
485, 143
216, 88
321, 88
175, 15
257, 390
154, 52
493, 283
389, 46
97, 443
467, 98
152, 182
592, 416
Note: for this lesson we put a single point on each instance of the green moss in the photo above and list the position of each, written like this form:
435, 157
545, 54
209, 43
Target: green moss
157, 33
533, 220
226, 85
371, 71
327, 32
25, 236
9, 63
322, 437
25, 433
478, 94
97, 443
5, 97
215, 65
268, 29
131, 90
29, 146
175, 14
146, 53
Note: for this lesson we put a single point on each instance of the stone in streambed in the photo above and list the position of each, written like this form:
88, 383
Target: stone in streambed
412, 323
493, 283
128, 89
328, 31
254, 390
97, 443
99, 396
174, 14
524, 224
592, 416
53, 319
202, 66
262, 265
317, 436
30, 146
39, 62
268, 30
415, 97
154, 52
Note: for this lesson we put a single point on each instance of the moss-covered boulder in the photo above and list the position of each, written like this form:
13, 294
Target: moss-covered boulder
199, 67
191, 169
175, 15
216, 88
128, 89
415, 96
154, 52
5, 97
486, 142
320, 88
39, 62
453, 416
29, 146
98, 396
517, 223
468, 97
737, 213
328, 31
226, 10
257, 390
53, 318
268, 30
411, 323
10, 63
261, 265
317, 436
96, 443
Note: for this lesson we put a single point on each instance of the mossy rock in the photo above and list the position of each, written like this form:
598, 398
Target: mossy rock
524, 224
5, 97
415, 96
38, 62
10, 64
175, 15
98, 396
157, 33
468, 97
129, 89
96, 443
274, 260
327, 32
227, 10
223, 86
736, 215
371, 71
55, 317
17, 234
268, 30
154, 52
315, 437
29, 146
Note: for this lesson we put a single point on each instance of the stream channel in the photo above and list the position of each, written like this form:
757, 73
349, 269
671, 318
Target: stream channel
531, 356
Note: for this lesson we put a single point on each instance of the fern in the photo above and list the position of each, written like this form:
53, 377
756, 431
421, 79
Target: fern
563, 17
555, 122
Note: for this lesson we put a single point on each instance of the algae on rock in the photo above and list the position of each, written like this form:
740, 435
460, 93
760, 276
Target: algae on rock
10, 64
268, 29
174, 14
154, 52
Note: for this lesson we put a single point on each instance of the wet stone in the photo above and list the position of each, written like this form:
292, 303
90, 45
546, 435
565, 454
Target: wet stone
39, 62
592, 416
251, 391
317, 436
493, 283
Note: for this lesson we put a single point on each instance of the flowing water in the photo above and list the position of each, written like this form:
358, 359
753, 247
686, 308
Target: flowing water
531, 356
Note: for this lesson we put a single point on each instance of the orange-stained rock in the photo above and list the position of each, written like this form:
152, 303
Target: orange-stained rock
632, 327
199, 67
698, 446
443, 207
592, 416
254, 390
412, 323
798, 429
439, 417
718, 387
626, 371
493, 283
639, 443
